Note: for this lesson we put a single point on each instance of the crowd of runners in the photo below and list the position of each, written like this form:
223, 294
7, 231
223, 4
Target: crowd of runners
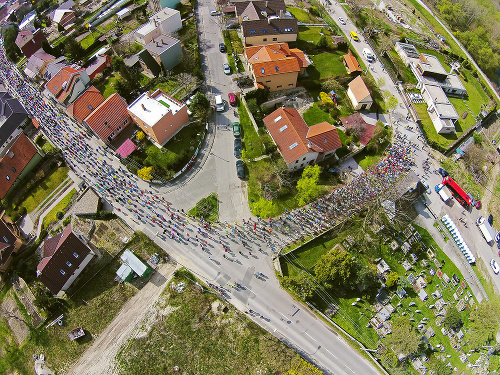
120, 188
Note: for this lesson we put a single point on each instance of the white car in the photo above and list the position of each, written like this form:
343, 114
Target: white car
426, 185
227, 68
342, 21
495, 266
214, 13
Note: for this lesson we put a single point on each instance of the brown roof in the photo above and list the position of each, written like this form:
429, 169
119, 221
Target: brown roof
294, 138
108, 116
359, 89
286, 65
324, 136
58, 255
7, 242
269, 27
85, 103
255, 9
62, 83
356, 120
352, 63
14, 161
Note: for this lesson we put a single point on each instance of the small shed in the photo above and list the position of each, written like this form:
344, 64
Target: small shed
125, 273
124, 13
136, 264
422, 294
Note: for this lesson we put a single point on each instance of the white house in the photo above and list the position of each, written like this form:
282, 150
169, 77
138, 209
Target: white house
166, 21
359, 94
442, 113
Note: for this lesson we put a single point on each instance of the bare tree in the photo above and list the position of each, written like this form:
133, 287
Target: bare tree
474, 158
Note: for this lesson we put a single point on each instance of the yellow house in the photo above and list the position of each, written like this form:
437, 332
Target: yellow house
270, 30
275, 66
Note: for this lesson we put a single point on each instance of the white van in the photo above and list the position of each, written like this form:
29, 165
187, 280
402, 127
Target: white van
369, 54
219, 103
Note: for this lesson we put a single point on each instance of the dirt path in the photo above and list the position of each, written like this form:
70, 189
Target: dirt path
486, 198
99, 358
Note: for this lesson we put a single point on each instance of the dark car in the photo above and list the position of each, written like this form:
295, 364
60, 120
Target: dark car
237, 147
236, 129
240, 169
490, 219
222, 47
442, 172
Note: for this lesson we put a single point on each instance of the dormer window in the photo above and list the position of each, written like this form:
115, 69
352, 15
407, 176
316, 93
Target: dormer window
90, 107
288, 29
264, 31
262, 70
13, 169
253, 32
277, 68
7, 177
62, 272
324, 139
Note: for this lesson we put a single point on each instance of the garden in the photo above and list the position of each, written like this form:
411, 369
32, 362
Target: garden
206, 208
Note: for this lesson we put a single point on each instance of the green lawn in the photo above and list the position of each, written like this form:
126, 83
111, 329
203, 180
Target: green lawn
109, 87
252, 144
477, 95
408, 76
326, 65
315, 115
63, 203
44, 188
308, 38
366, 160
206, 208
143, 79
172, 157
236, 42
302, 15
428, 128
89, 39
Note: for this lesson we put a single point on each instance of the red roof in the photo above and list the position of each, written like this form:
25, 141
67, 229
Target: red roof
15, 160
108, 117
86, 103
352, 63
126, 148
294, 138
356, 120
62, 83
286, 65
274, 58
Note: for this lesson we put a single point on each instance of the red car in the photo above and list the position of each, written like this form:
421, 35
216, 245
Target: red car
232, 99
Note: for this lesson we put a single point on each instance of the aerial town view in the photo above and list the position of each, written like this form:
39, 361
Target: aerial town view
245, 187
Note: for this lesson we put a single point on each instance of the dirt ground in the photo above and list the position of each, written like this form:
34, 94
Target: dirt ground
99, 358
11, 312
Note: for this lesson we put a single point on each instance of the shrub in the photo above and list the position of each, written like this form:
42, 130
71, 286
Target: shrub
43, 234
66, 221
140, 136
59, 215
39, 140
145, 173
325, 98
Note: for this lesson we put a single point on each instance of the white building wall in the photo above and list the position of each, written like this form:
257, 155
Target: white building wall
77, 272
303, 161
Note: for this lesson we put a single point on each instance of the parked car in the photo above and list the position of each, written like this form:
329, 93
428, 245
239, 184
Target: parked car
237, 147
354, 36
188, 102
222, 47
370, 56
236, 129
214, 13
219, 103
438, 187
442, 172
240, 169
490, 219
495, 266
426, 185
497, 237
232, 99
227, 68
341, 20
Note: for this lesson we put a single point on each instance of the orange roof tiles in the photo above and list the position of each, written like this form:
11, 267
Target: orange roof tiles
108, 116
15, 160
359, 89
274, 58
268, 52
286, 65
61, 84
86, 103
352, 63
301, 57
324, 136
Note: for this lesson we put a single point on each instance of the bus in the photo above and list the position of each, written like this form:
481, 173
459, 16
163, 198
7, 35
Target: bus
459, 194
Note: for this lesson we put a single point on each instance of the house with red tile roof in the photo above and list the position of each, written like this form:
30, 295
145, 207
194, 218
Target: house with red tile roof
275, 66
301, 145
67, 84
351, 64
29, 42
85, 104
17, 160
363, 129
109, 118
11, 241
97, 65
64, 257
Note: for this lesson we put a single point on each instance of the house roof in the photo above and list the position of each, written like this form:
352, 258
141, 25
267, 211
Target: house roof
272, 26
148, 60
36, 61
126, 148
294, 138
54, 67
356, 120
286, 65
7, 242
300, 56
268, 52
58, 255
62, 83
23, 37
86, 103
161, 44
359, 89
59, 14
97, 62
14, 161
352, 63
12, 115
108, 116
256, 10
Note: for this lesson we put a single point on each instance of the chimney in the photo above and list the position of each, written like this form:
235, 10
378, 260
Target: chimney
157, 44
282, 14
267, 2
143, 106
269, 21
156, 23
162, 42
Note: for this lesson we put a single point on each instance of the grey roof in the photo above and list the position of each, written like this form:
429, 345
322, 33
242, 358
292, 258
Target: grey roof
36, 61
87, 203
54, 67
453, 81
132, 60
436, 93
431, 63
151, 63
161, 44
446, 111
260, 9
269, 27
67, 5
12, 115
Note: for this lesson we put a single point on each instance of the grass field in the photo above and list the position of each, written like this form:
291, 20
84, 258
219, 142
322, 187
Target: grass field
206, 208
89, 39
302, 15
366, 160
63, 203
326, 65
315, 115
200, 341
309, 36
44, 188
252, 145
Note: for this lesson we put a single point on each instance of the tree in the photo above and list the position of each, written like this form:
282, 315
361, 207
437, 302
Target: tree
439, 367
416, 247
117, 63
322, 42
302, 285
325, 98
200, 106
475, 157
307, 185
263, 208
478, 139
334, 267
392, 278
11, 48
484, 324
140, 136
452, 318
404, 337
364, 275
145, 173
73, 49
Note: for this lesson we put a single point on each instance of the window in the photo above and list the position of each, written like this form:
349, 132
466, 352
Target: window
275, 30
55, 87
62, 272
68, 263
7, 177
264, 39
13, 169
11, 154
296, 161
288, 29
275, 39
301, 165
277, 119
324, 139
264, 31
303, 159
112, 135
280, 86
283, 128
292, 146
290, 84
277, 68
268, 81
75, 255
262, 70
106, 124
253, 32
90, 107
